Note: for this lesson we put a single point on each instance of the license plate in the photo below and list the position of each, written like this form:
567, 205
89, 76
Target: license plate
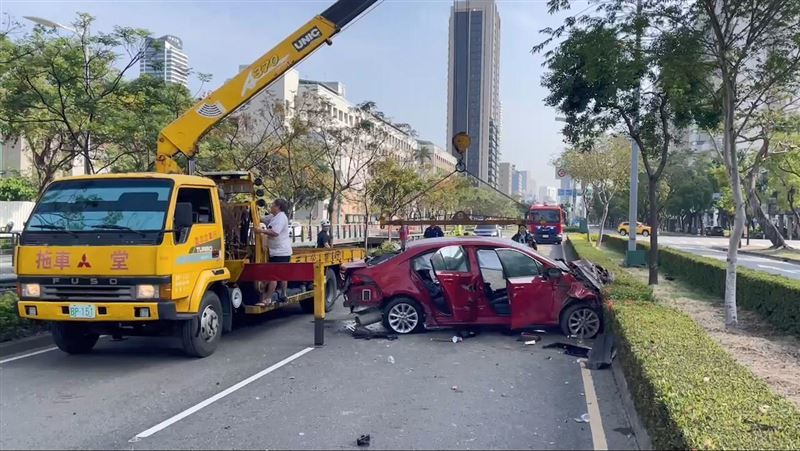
545, 236
81, 311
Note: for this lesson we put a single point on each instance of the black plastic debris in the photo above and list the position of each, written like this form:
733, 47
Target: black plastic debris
602, 353
363, 440
361, 332
571, 349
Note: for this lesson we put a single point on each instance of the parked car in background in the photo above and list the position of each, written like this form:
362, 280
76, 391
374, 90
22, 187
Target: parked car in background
457, 282
488, 230
641, 229
715, 231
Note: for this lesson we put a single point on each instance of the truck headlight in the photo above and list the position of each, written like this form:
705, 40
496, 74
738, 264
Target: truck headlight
146, 291
30, 290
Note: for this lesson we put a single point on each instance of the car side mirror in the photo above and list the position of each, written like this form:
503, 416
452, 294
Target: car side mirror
183, 215
554, 273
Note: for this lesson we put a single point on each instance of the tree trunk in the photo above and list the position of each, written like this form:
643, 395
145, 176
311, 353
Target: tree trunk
602, 225
652, 213
732, 165
757, 209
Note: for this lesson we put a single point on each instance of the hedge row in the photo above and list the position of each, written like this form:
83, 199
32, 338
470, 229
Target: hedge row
689, 392
775, 298
11, 325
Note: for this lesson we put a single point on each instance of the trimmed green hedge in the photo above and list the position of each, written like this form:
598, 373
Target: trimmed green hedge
775, 298
11, 325
688, 391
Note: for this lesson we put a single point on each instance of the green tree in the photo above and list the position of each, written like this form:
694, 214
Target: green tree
755, 49
17, 188
605, 169
59, 90
621, 70
146, 105
691, 189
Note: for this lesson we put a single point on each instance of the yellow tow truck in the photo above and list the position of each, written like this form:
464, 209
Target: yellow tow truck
167, 253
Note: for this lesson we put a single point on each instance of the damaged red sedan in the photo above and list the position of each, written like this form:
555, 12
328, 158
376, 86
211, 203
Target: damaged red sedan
452, 282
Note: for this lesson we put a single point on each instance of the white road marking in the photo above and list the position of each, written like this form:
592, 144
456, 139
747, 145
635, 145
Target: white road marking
30, 354
790, 271
170, 421
595, 420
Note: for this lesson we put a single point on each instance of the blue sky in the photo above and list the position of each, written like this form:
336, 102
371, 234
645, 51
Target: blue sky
396, 56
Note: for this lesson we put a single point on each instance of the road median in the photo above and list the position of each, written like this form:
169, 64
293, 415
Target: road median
775, 298
689, 392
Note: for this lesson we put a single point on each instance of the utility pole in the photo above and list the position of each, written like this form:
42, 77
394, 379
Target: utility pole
635, 257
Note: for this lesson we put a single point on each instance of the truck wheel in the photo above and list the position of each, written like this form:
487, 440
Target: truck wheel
73, 338
201, 334
331, 293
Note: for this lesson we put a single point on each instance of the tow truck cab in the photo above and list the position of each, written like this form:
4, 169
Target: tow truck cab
134, 254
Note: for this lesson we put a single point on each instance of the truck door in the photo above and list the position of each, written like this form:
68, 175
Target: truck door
199, 247
458, 280
531, 295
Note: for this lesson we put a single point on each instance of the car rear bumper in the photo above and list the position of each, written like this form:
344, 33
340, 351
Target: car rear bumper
551, 239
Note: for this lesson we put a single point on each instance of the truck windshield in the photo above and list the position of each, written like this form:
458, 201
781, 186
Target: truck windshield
118, 207
548, 216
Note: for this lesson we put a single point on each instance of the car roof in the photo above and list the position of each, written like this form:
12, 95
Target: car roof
435, 243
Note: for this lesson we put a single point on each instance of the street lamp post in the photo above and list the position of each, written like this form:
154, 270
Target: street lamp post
87, 165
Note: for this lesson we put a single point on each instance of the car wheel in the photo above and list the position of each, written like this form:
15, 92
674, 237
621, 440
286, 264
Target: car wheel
73, 338
645, 233
403, 316
581, 320
201, 335
623, 233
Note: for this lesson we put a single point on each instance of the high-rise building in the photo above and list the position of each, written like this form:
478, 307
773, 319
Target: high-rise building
506, 178
519, 183
473, 88
164, 58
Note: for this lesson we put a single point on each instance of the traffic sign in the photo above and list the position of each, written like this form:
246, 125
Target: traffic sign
564, 192
561, 173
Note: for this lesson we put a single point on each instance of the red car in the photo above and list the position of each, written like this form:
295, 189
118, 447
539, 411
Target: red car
446, 282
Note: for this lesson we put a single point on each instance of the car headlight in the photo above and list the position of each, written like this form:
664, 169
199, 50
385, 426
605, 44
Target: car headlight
30, 290
146, 291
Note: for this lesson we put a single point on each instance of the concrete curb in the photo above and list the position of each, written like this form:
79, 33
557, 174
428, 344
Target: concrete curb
639, 431
756, 254
12, 347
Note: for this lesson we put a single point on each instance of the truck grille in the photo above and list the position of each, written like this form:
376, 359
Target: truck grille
87, 293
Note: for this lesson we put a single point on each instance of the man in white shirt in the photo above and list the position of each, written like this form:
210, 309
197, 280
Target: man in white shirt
276, 227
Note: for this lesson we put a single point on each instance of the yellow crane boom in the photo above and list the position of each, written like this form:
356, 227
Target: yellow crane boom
182, 135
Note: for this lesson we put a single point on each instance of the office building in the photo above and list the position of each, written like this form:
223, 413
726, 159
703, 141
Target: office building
435, 158
505, 179
473, 89
164, 58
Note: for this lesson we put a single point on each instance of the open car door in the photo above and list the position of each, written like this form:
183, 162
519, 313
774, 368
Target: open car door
458, 280
531, 295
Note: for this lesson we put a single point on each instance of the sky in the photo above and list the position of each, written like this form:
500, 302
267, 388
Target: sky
396, 56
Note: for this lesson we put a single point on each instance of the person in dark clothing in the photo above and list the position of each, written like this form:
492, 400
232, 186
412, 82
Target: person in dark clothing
433, 231
524, 237
324, 235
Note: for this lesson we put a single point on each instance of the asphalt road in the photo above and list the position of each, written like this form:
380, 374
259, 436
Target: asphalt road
507, 396
712, 247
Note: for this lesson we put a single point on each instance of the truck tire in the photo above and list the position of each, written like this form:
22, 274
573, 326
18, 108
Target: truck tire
201, 334
73, 338
331, 294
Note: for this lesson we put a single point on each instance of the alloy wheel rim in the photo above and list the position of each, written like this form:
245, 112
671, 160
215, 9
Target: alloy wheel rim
584, 322
403, 318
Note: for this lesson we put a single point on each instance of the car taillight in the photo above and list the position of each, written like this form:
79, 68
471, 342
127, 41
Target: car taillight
357, 279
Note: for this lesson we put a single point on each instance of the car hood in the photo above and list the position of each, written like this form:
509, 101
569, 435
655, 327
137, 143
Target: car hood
594, 275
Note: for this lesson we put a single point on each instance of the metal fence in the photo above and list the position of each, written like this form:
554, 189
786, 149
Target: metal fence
8, 242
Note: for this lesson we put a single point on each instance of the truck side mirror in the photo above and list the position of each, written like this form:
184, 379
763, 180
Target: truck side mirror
183, 215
